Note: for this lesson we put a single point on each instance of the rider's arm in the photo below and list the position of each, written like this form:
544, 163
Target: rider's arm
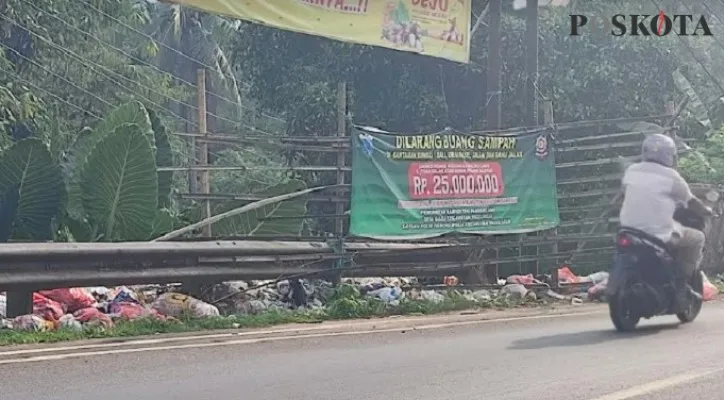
683, 196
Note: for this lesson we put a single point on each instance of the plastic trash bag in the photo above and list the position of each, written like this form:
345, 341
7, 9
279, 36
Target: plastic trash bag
522, 279
69, 322
710, 290
257, 306
373, 286
482, 295
48, 309
124, 295
99, 291
516, 291
72, 299
567, 276
200, 309
93, 317
32, 322
451, 281
387, 294
177, 304
598, 290
131, 311
598, 277
433, 296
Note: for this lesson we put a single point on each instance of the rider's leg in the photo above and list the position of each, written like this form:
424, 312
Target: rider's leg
689, 248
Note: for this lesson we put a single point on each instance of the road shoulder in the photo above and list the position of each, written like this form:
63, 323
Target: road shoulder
327, 327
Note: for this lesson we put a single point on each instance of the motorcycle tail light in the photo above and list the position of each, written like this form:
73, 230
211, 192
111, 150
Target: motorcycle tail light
624, 241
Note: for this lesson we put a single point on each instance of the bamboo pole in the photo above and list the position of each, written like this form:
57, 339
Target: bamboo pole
342, 153
204, 156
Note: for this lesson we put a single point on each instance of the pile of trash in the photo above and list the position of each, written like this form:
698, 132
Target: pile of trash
593, 287
100, 307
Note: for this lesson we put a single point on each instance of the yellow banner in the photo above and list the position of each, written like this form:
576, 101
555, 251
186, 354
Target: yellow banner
437, 28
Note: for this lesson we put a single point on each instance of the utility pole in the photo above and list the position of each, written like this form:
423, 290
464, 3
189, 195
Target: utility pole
531, 63
493, 85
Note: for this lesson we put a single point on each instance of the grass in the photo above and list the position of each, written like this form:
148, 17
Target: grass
347, 303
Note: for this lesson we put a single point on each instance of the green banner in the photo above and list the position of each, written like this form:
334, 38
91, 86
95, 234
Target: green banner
408, 187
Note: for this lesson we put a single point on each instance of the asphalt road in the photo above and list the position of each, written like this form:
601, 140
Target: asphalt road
573, 358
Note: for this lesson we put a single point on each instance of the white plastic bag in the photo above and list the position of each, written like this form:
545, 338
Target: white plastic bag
516, 291
69, 322
200, 309
598, 277
387, 294
177, 304
482, 295
433, 296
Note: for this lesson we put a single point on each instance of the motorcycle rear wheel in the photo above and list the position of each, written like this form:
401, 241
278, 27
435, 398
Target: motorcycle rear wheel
691, 312
622, 318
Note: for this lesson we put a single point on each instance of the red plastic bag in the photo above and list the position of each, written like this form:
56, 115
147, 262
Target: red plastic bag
451, 281
566, 275
93, 315
710, 291
72, 299
522, 279
48, 309
132, 311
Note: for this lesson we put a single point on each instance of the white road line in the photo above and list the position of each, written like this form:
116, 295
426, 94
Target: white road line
656, 386
109, 346
140, 342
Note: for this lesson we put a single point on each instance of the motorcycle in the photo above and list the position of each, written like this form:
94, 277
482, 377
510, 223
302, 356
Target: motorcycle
641, 280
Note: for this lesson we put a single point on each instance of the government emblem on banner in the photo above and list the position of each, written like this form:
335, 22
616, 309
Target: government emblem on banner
541, 147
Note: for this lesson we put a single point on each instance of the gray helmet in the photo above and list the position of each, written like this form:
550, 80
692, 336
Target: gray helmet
659, 149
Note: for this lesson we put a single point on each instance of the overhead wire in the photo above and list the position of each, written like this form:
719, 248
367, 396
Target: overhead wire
180, 53
99, 70
47, 70
721, 19
87, 63
184, 81
136, 59
693, 53
109, 71
62, 100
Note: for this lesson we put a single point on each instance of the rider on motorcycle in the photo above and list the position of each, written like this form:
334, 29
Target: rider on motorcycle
652, 191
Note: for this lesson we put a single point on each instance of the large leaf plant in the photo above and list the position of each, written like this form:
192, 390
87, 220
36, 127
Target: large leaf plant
106, 187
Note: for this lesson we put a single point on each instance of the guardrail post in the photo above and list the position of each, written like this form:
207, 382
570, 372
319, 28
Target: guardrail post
19, 302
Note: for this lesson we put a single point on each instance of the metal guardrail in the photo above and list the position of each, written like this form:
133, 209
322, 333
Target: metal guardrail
28, 267
50, 265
